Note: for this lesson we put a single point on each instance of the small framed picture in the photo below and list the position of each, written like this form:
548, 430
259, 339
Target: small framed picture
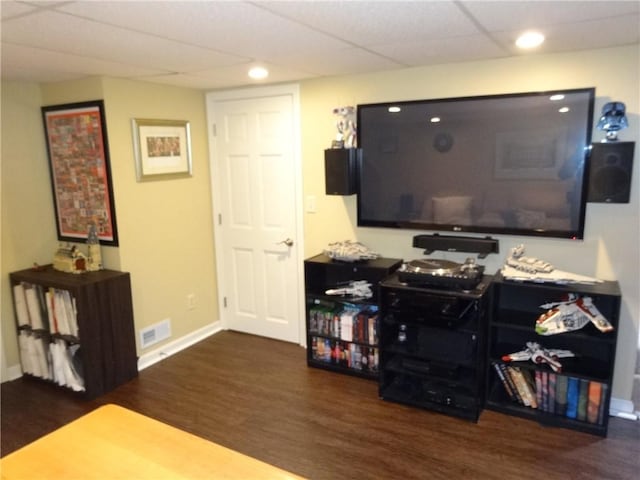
162, 149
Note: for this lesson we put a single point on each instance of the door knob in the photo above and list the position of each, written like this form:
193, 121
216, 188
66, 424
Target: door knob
288, 242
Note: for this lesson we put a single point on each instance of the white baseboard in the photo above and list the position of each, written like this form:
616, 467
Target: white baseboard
13, 372
622, 408
154, 356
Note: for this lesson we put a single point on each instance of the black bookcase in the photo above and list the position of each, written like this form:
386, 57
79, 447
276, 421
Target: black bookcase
576, 397
343, 331
98, 309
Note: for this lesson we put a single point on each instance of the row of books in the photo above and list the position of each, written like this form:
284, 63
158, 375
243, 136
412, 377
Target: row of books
345, 354
347, 323
563, 395
43, 308
52, 360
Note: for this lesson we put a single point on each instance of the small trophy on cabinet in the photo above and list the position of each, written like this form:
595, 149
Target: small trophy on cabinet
94, 260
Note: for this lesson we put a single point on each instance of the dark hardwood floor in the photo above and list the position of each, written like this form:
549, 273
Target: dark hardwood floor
257, 396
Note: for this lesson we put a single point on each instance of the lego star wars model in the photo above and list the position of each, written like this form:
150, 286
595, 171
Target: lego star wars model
537, 354
570, 315
360, 289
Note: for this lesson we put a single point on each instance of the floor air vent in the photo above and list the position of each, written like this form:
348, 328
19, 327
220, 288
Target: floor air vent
155, 333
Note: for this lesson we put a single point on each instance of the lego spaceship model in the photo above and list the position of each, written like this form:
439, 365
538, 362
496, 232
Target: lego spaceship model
537, 354
349, 251
359, 288
519, 267
531, 265
570, 315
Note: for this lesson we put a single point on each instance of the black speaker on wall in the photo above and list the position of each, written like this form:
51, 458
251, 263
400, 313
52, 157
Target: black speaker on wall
340, 168
610, 172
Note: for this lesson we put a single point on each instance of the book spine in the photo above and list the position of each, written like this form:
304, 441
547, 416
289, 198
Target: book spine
545, 391
503, 379
573, 387
603, 404
521, 385
531, 388
583, 394
551, 401
508, 376
594, 398
561, 395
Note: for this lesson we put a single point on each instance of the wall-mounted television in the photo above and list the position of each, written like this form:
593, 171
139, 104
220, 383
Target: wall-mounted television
502, 164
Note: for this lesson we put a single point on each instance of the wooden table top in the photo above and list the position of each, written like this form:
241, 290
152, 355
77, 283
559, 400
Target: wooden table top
115, 443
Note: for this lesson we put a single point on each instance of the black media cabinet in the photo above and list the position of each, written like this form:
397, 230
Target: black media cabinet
432, 347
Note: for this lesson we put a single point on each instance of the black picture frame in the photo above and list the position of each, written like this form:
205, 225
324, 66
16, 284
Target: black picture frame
79, 164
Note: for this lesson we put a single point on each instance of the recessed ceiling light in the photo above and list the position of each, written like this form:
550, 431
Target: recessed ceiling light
394, 109
258, 73
530, 40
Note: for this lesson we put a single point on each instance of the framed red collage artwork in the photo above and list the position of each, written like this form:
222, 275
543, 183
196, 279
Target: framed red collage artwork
77, 146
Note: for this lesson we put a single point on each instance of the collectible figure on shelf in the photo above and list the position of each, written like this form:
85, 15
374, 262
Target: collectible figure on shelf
571, 315
518, 261
69, 259
346, 125
95, 254
359, 289
537, 354
519, 268
349, 251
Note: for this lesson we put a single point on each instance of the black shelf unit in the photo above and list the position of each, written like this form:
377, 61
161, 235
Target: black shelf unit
432, 347
345, 344
515, 306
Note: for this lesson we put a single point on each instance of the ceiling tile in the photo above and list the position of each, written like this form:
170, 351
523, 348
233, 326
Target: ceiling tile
58, 66
583, 35
60, 32
443, 50
340, 62
226, 76
239, 27
516, 15
14, 9
377, 22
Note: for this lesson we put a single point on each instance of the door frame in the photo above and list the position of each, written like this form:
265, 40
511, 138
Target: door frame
215, 178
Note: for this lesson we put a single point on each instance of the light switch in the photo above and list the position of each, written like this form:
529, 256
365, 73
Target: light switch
311, 204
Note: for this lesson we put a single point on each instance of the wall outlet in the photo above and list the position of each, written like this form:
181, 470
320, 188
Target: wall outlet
191, 301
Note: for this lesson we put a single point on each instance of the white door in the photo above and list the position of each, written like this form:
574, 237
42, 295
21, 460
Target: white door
256, 177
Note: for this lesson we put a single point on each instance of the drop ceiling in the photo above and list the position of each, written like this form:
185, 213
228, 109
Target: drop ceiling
212, 44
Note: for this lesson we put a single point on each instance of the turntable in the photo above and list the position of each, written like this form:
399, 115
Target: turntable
442, 273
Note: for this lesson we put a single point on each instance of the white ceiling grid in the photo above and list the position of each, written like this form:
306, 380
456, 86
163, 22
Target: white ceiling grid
212, 44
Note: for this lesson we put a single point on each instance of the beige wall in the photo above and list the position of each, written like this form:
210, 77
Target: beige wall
166, 239
165, 227
610, 248
28, 226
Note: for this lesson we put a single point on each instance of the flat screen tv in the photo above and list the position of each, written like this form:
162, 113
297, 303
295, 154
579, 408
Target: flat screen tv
501, 164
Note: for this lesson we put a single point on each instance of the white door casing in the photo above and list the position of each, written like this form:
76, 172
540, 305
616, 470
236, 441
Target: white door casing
256, 183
